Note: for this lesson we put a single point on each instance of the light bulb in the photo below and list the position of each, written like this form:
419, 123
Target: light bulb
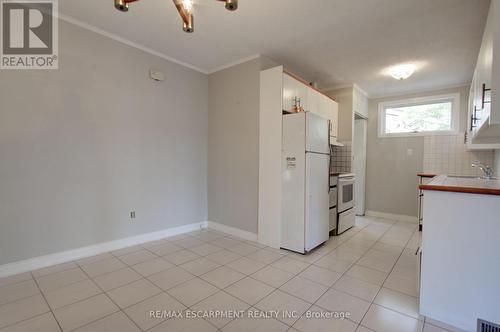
403, 71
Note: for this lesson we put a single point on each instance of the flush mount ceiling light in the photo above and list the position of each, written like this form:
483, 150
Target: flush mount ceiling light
184, 7
403, 71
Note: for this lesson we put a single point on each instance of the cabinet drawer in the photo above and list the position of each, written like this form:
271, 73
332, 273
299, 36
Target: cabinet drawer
333, 219
333, 197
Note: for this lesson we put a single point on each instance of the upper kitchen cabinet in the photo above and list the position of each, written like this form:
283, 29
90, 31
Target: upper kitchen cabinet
351, 101
484, 98
297, 91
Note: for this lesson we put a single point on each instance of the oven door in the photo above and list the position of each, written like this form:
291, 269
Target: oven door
345, 194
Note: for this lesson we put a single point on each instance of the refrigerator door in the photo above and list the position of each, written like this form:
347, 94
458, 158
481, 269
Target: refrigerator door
317, 221
317, 133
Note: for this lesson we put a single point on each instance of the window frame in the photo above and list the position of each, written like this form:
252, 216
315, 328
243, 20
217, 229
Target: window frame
455, 114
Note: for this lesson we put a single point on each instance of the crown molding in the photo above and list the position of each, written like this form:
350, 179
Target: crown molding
413, 92
127, 42
234, 63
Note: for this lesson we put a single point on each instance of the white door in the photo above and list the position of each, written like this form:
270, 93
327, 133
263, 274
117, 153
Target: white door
317, 133
359, 165
317, 199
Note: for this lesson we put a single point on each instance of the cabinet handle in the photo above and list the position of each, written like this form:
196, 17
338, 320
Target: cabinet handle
484, 101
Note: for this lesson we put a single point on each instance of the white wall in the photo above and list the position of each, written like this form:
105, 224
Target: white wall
84, 145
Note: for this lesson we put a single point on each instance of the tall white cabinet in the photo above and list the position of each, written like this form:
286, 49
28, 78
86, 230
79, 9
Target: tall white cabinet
278, 90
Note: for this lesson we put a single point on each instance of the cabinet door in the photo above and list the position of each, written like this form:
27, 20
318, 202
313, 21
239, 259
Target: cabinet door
334, 129
289, 93
324, 107
301, 91
312, 101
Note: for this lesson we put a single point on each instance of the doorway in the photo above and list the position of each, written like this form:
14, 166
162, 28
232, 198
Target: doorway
359, 163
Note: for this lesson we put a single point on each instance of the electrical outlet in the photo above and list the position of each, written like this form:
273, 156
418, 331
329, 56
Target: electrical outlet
132, 214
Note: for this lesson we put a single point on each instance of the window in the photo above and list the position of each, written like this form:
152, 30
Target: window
437, 115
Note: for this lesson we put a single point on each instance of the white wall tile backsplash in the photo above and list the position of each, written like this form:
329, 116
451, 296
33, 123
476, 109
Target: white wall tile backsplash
341, 159
448, 155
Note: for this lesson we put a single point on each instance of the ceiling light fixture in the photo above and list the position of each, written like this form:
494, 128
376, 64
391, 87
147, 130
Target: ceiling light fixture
184, 7
403, 71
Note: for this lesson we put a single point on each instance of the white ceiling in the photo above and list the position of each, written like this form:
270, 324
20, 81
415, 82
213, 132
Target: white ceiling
332, 42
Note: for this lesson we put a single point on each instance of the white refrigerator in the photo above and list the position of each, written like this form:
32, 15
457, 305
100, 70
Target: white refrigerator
306, 177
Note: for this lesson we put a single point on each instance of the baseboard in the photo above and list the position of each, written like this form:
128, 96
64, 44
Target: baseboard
232, 231
391, 216
95, 249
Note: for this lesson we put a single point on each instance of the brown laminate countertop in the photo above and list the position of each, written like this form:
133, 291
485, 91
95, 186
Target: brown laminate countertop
463, 185
426, 175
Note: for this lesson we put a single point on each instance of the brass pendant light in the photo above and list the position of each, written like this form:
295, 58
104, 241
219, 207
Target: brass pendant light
184, 7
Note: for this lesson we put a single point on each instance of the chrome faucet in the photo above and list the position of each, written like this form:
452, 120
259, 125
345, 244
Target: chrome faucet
488, 171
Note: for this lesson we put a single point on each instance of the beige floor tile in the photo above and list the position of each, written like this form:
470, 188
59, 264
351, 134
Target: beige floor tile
209, 236
251, 324
192, 291
151, 267
399, 302
359, 288
388, 248
60, 279
15, 278
164, 248
205, 249
223, 257
336, 301
128, 250
320, 275
245, 265
309, 324
225, 242
199, 266
403, 285
181, 257
221, 302
290, 265
42, 323
93, 259
188, 242
133, 293
249, 290
170, 278
104, 266
243, 249
304, 289
117, 322
333, 264
81, 313
117, 278
17, 291
363, 329
17, 311
381, 319
137, 257
140, 313
383, 265
367, 274
272, 276
185, 325
222, 277
264, 256
283, 303
72, 293
54, 268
